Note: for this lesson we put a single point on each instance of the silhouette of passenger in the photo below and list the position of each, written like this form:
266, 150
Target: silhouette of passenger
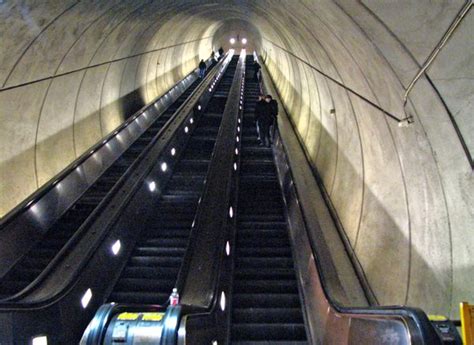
202, 69
273, 109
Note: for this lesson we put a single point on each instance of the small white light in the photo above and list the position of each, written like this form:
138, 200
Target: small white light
40, 340
227, 248
194, 222
199, 107
214, 342
152, 186
210, 89
86, 298
244, 41
91, 152
173, 151
164, 166
222, 302
116, 247
238, 120
232, 40
104, 141
191, 120
240, 107
238, 129
231, 212
186, 129
237, 139
236, 151
235, 166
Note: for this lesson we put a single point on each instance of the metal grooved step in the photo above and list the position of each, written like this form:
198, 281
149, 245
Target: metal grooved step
266, 306
152, 269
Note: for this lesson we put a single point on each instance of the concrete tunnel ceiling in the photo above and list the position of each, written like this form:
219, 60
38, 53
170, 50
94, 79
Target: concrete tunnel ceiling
71, 72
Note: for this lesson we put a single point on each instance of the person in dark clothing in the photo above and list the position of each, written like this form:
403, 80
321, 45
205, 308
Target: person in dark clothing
260, 108
213, 58
202, 69
256, 70
273, 109
263, 118
221, 52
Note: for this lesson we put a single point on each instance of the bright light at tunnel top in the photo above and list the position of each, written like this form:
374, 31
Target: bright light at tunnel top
232, 40
244, 41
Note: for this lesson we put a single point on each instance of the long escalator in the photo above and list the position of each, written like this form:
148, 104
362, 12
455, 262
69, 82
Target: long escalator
37, 259
266, 307
151, 271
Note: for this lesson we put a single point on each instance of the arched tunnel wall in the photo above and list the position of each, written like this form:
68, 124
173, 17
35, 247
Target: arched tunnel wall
48, 124
403, 196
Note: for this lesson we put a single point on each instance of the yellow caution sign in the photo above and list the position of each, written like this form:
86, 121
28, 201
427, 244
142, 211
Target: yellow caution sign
128, 316
153, 316
467, 323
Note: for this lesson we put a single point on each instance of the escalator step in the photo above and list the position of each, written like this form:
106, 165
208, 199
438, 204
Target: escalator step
262, 331
264, 300
268, 315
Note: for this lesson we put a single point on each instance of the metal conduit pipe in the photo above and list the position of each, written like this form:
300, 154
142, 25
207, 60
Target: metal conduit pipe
454, 25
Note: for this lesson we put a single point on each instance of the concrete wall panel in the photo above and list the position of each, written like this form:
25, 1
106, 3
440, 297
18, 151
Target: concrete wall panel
54, 140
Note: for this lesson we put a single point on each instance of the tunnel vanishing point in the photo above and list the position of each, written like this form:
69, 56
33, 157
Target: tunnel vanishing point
380, 94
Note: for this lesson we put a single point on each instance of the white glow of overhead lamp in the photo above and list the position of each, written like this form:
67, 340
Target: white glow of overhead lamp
103, 142
238, 128
244, 41
186, 129
116, 247
222, 301
164, 166
210, 89
152, 186
194, 222
240, 107
236, 151
191, 121
235, 166
199, 107
173, 151
86, 298
238, 120
39, 340
227, 248
237, 139
231, 212
214, 342
232, 40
